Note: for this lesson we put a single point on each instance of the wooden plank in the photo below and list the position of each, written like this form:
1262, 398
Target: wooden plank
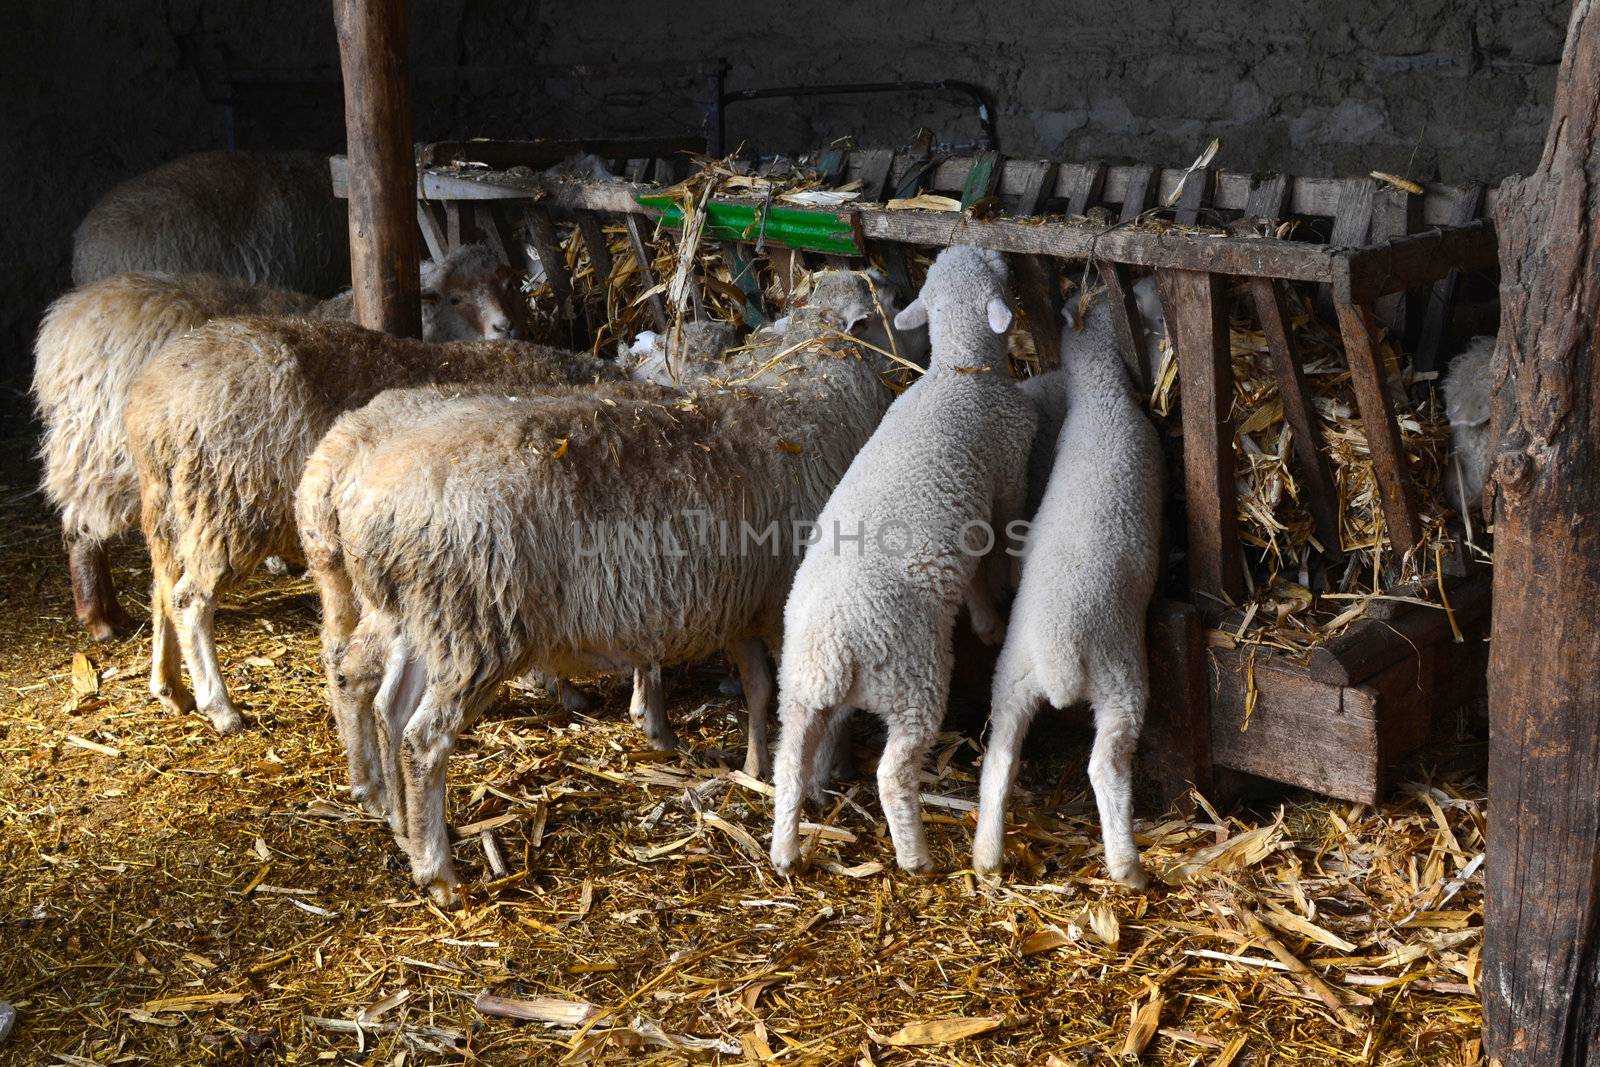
1316, 477
1389, 465
382, 178
1039, 180
1198, 321
1269, 196
1395, 213
1442, 300
981, 179
502, 155
1175, 745
1370, 646
452, 225
489, 229
547, 244
1033, 279
830, 168
1126, 322
875, 165
594, 241
1196, 197
647, 274
1365, 274
743, 271
1087, 185
1352, 222
637, 169
1139, 189
432, 232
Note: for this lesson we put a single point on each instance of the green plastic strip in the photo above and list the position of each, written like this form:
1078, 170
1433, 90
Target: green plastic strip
832, 232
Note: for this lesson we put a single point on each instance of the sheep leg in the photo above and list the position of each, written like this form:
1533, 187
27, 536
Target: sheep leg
94, 596
426, 745
648, 708
397, 699
196, 609
835, 761
1016, 701
755, 675
355, 670
911, 734
1117, 718
803, 730
166, 672
986, 620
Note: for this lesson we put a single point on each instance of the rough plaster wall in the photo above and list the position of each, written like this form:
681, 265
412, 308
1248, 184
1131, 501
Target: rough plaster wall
1455, 89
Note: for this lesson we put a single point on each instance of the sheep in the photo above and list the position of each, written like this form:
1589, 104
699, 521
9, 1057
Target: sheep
220, 424
265, 218
869, 626
94, 341
1466, 403
660, 530
1089, 570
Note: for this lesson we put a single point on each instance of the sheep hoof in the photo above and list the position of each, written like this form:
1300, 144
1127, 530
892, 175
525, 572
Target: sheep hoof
109, 627
225, 718
786, 861
370, 799
275, 566
1135, 878
918, 867
175, 698
446, 894
758, 765
666, 742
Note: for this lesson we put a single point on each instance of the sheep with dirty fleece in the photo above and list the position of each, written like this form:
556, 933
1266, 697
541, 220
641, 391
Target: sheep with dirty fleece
94, 341
220, 425
571, 534
1077, 628
870, 617
1467, 389
268, 218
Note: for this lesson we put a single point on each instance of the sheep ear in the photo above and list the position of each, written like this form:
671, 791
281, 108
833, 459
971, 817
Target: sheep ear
911, 316
999, 315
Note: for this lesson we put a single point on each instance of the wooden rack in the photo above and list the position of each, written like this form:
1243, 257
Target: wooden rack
1383, 244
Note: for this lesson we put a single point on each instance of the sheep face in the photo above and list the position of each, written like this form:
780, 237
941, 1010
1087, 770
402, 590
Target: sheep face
471, 296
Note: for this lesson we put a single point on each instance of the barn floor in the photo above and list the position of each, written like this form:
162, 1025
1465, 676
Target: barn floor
170, 898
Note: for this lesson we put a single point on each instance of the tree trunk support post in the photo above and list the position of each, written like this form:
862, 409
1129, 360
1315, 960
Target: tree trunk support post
384, 257
1541, 972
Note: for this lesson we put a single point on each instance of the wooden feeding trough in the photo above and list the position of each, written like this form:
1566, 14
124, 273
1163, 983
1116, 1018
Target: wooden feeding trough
1338, 722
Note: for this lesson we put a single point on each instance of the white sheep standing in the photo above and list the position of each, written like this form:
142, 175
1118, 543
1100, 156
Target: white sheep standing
94, 341
1077, 628
1466, 403
479, 547
870, 616
265, 218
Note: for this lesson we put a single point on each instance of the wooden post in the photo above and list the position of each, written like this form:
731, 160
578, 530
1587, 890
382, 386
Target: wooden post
384, 261
1541, 973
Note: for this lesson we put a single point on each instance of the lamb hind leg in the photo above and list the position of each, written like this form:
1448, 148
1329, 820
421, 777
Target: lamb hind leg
647, 708
196, 609
1016, 700
912, 729
803, 730
429, 738
94, 595
1117, 719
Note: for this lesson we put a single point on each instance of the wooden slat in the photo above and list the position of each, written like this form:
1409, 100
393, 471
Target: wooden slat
1033, 278
1086, 188
1442, 299
1141, 185
488, 224
1198, 188
1039, 181
1389, 467
875, 165
1395, 213
502, 154
1269, 195
1126, 322
1175, 744
1362, 275
1353, 219
542, 235
1198, 321
1316, 478
641, 255
432, 232
452, 225
1369, 645
594, 241
637, 169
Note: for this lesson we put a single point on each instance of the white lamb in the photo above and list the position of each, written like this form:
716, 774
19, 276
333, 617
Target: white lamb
869, 619
1078, 623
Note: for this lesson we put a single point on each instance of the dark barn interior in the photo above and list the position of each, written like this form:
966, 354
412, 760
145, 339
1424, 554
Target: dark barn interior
376, 693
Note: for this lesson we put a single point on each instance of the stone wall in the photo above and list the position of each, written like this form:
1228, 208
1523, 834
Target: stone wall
1452, 89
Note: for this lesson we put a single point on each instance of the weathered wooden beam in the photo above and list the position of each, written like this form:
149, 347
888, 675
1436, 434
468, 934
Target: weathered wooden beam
1087, 185
1442, 299
501, 155
1198, 320
384, 254
432, 233
1175, 745
647, 273
1198, 188
874, 175
591, 227
1126, 323
1541, 959
1268, 196
1395, 213
1139, 191
1370, 646
547, 244
1405, 262
489, 229
1316, 477
1373, 399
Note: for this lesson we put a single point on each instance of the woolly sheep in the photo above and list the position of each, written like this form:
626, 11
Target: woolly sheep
518, 552
1466, 402
220, 424
94, 341
265, 218
1089, 569
870, 625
